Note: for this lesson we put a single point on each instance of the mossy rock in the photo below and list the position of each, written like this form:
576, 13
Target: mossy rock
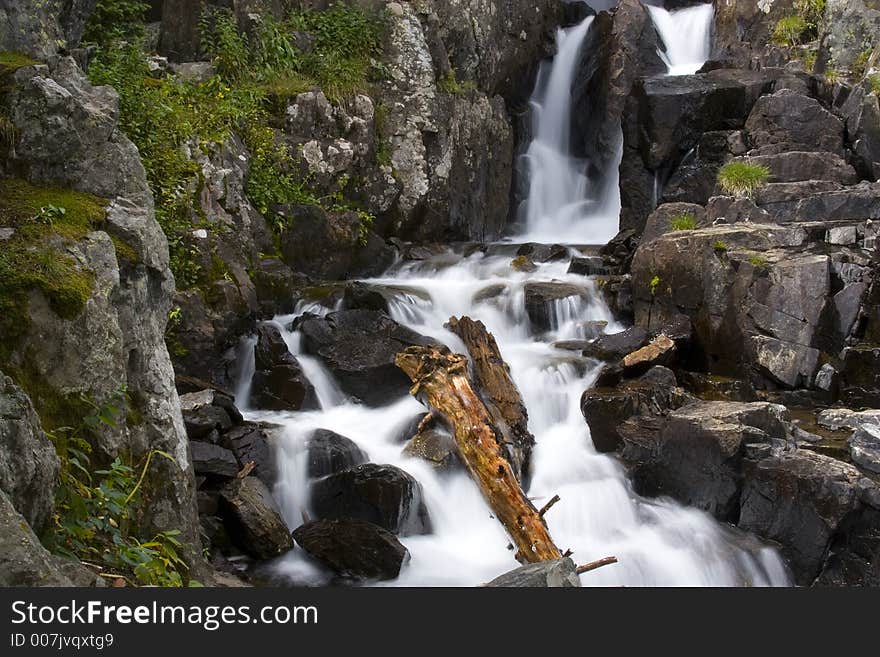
36, 223
12, 61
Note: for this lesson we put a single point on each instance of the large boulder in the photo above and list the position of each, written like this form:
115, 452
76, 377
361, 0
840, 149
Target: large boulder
556, 573
253, 520
359, 346
788, 121
799, 499
695, 454
864, 447
28, 463
353, 548
23, 560
252, 443
381, 494
279, 383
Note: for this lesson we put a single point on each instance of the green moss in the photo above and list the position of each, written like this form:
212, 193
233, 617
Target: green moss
874, 81
12, 61
450, 84
56, 409
719, 246
125, 253
683, 221
43, 219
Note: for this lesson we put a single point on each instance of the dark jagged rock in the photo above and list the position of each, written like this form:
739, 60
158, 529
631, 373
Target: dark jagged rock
541, 299
660, 220
788, 121
617, 345
329, 453
606, 408
864, 447
201, 416
589, 266
555, 573
279, 383
212, 460
360, 296
359, 346
862, 119
353, 548
382, 494
436, 446
253, 520
543, 252
250, 442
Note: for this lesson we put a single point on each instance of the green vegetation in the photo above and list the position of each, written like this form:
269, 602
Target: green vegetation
11, 61
683, 221
759, 262
112, 20
94, 510
719, 246
41, 219
860, 65
742, 178
450, 84
255, 76
654, 284
874, 81
790, 31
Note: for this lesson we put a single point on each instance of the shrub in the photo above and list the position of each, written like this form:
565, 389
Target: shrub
112, 20
720, 246
683, 221
742, 178
790, 31
759, 262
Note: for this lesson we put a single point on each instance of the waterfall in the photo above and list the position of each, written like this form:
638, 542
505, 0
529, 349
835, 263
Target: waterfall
657, 541
687, 36
563, 205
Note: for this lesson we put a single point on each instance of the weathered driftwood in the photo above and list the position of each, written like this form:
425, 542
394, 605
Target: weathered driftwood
498, 391
441, 382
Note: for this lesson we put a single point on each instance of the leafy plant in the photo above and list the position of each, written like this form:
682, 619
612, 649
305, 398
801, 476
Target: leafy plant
742, 178
654, 284
112, 20
94, 509
719, 246
759, 262
683, 221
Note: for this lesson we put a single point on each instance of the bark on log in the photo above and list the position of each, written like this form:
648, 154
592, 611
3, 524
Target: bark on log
441, 382
498, 391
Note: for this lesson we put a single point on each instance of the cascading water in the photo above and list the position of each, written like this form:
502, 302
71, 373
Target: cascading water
563, 204
687, 36
657, 542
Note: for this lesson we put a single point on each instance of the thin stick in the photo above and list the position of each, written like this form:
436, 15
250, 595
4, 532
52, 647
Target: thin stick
596, 564
546, 507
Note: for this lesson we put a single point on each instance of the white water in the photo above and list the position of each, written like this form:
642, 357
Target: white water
563, 205
657, 542
686, 34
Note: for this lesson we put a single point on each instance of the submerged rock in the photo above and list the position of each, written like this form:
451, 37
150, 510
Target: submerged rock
353, 548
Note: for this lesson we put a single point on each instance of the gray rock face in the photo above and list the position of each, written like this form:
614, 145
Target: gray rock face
862, 118
659, 222
253, 520
695, 454
799, 499
38, 27
252, 442
353, 548
851, 24
788, 121
28, 463
864, 447
557, 573
69, 137
359, 347
841, 418
23, 560
798, 166
381, 494
212, 460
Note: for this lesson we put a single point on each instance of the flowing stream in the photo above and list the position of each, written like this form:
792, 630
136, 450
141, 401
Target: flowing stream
657, 542
686, 35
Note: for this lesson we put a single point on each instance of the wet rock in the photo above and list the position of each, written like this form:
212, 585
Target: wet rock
658, 351
695, 455
617, 345
329, 453
359, 346
28, 463
860, 374
864, 447
436, 446
253, 520
787, 121
541, 299
589, 266
353, 548
212, 460
279, 383
543, 252
717, 388
799, 499
489, 293
556, 573
364, 297
382, 494
524, 264
201, 416
606, 408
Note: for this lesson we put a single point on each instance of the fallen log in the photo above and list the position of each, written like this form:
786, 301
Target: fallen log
498, 391
441, 382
